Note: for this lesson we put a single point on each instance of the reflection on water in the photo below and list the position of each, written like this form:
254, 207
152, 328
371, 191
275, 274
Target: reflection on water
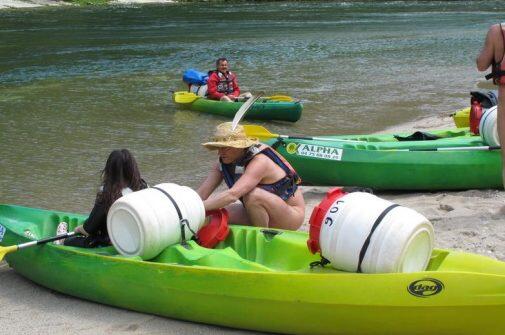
76, 83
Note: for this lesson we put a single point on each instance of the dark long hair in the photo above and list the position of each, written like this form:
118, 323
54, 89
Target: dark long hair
120, 171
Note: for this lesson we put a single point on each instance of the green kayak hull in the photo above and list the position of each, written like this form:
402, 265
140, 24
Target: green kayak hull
261, 110
261, 280
381, 162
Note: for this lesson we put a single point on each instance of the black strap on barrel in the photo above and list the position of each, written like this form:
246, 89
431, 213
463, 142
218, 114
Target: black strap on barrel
364, 248
182, 222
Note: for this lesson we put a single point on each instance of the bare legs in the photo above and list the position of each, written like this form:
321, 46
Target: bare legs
242, 97
264, 209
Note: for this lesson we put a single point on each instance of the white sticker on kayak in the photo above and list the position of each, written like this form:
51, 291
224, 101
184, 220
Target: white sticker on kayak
2, 232
316, 151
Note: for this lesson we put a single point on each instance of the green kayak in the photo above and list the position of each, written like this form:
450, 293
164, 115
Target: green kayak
263, 109
260, 279
457, 160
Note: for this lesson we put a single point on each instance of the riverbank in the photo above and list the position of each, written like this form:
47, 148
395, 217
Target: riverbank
6, 4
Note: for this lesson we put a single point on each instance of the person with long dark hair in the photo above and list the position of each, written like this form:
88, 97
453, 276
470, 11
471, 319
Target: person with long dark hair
119, 177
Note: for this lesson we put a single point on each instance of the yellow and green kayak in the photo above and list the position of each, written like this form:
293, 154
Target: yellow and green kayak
269, 108
261, 279
456, 160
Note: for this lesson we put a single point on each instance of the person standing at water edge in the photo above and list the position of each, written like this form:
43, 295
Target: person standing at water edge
493, 54
265, 183
222, 84
119, 177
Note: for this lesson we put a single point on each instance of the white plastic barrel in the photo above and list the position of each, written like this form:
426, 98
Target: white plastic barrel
145, 222
402, 241
198, 90
488, 126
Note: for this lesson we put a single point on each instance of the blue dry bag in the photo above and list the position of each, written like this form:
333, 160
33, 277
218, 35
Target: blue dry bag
194, 77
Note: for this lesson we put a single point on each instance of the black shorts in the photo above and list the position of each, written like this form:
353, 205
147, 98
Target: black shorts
87, 241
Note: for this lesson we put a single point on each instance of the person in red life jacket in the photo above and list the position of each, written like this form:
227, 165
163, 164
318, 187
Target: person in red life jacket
262, 186
222, 84
493, 54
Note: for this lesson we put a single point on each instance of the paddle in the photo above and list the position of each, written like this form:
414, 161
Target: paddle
481, 148
263, 133
243, 109
183, 97
13, 248
283, 98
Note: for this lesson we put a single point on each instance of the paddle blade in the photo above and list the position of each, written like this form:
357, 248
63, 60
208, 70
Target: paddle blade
6, 250
282, 98
183, 97
258, 131
243, 109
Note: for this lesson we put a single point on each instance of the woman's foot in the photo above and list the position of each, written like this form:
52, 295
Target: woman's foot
60, 230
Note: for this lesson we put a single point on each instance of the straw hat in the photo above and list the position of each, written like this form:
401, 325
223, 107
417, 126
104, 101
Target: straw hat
225, 137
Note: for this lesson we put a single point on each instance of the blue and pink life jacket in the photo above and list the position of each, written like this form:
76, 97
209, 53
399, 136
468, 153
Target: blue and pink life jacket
284, 188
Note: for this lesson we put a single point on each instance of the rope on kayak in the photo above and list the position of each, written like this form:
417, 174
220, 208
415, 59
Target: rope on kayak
364, 248
320, 263
183, 222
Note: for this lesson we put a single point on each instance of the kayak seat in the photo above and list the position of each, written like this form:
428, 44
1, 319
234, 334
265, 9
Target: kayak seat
195, 255
276, 249
246, 248
35, 227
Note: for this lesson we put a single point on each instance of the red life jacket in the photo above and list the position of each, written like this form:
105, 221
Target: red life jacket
225, 84
498, 68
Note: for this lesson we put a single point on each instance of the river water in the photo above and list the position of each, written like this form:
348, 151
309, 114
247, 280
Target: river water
76, 83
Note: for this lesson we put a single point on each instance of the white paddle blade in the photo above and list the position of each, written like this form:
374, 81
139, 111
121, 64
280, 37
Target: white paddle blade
243, 109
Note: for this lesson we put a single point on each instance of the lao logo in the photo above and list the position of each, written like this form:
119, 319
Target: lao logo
425, 287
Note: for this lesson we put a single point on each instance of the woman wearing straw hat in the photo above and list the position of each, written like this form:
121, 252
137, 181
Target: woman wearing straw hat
262, 180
